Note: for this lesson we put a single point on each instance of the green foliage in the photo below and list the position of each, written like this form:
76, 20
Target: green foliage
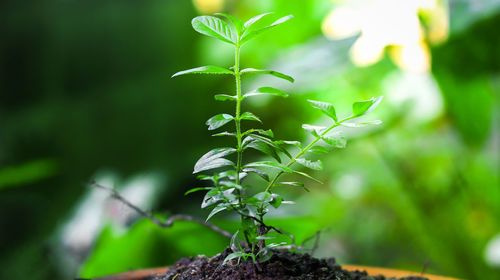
227, 192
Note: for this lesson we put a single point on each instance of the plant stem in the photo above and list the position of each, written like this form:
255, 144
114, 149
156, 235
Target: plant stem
238, 109
303, 151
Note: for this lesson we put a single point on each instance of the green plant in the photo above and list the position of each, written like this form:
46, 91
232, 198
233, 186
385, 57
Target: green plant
228, 192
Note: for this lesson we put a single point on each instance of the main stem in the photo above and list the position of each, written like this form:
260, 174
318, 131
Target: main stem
237, 120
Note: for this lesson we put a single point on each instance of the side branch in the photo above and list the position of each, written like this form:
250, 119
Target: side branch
164, 224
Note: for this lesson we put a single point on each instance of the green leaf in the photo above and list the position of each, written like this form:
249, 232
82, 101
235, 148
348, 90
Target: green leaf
219, 208
362, 124
268, 133
264, 197
316, 165
236, 23
294, 143
276, 200
266, 90
225, 97
270, 164
250, 34
254, 19
214, 27
293, 184
307, 176
326, 108
314, 129
213, 159
259, 172
319, 150
209, 69
268, 72
335, 140
225, 133
233, 256
218, 121
197, 189
265, 148
363, 107
250, 116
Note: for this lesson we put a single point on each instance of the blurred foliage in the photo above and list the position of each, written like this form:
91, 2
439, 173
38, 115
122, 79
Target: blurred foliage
85, 87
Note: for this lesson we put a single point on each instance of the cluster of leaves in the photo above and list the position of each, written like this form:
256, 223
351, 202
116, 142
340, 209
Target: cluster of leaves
227, 169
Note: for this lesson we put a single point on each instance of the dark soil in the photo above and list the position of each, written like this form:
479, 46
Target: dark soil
282, 265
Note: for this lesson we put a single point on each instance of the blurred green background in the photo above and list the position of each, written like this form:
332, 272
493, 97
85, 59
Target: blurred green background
86, 95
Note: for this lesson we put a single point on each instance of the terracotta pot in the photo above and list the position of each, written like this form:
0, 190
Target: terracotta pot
141, 274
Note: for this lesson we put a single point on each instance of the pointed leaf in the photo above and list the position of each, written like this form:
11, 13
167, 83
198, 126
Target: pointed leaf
218, 121
225, 97
209, 69
363, 107
219, 208
250, 34
197, 189
265, 148
264, 197
225, 133
253, 20
316, 165
259, 172
313, 129
213, 159
293, 184
233, 256
362, 124
270, 164
250, 116
276, 200
266, 90
214, 27
326, 108
268, 72
294, 143
319, 150
307, 176
238, 25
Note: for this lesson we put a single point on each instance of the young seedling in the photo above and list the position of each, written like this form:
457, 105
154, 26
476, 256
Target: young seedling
225, 167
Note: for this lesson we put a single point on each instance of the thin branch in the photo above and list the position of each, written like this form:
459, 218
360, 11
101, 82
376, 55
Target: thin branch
163, 224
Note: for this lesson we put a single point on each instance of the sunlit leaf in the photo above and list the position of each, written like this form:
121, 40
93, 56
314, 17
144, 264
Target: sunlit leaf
233, 256
319, 150
266, 91
219, 208
225, 133
307, 176
218, 121
293, 184
270, 164
214, 27
213, 159
335, 140
316, 165
236, 23
250, 116
363, 107
225, 97
362, 124
250, 34
209, 69
259, 172
197, 189
314, 129
268, 72
254, 19
326, 108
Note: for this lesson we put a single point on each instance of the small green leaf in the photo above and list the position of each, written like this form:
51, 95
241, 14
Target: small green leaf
362, 124
250, 34
263, 197
266, 90
335, 140
209, 69
314, 129
213, 159
268, 72
270, 164
214, 27
307, 176
265, 148
259, 172
250, 116
294, 143
225, 133
218, 121
268, 133
233, 256
363, 107
219, 208
197, 189
236, 23
276, 200
225, 97
254, 19
293, 184
326, 108
316, 165
319, 150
